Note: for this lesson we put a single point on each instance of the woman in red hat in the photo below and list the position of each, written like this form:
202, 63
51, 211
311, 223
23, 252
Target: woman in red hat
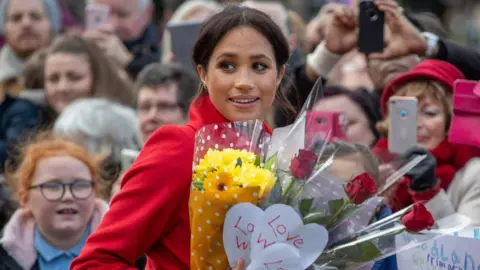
431, 82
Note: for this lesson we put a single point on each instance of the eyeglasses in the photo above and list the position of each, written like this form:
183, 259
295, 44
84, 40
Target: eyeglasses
55, 190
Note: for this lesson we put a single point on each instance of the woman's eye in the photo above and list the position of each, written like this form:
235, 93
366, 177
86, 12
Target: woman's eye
53, 78
74, 77
227, 66
430, 113
259, 66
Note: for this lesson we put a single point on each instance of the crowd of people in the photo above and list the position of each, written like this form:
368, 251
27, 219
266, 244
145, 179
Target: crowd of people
73, 98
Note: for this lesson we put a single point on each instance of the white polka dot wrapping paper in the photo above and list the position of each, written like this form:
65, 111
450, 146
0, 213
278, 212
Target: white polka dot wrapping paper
227, 170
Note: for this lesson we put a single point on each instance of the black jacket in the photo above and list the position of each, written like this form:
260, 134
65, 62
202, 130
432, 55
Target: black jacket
465, 58
146, 50
8, 263
18, 118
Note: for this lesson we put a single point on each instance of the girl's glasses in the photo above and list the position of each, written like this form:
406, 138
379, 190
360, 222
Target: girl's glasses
55, 190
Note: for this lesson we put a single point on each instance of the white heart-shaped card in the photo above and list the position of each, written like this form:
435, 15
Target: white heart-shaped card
278, 256
253, 234
237, 230
282, 224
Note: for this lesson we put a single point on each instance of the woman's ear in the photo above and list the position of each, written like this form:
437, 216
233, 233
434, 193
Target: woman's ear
202, 74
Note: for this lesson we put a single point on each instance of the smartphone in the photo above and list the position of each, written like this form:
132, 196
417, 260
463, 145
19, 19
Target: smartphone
371, 28
324, 126
183, 36
128, 156
96, 15
402, 131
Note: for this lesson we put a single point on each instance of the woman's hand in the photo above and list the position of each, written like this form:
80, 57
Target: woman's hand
341, 31
240, 265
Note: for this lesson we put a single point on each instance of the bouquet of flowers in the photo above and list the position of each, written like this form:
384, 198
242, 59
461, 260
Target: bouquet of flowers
228, 169
333, 185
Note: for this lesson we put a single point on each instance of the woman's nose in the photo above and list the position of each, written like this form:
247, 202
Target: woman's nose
244, 80
62, 85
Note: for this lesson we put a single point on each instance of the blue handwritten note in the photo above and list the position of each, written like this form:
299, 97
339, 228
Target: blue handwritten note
460, 251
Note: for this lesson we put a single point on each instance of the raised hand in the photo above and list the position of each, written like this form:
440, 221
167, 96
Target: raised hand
341, 30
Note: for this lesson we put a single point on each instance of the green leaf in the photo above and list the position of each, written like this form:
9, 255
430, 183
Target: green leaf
271, 163
305, 206
238, 162
361, 252
369, 251
198, 185
319, 165
348, 211
316, 217
336, 205
257, 161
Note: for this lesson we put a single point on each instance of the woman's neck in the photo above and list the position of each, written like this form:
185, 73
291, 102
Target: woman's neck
64, 241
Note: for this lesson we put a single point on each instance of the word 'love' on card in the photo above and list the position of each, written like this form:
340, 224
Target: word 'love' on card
263, 238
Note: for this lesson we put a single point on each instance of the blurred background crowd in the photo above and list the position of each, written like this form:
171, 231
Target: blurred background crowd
95, 92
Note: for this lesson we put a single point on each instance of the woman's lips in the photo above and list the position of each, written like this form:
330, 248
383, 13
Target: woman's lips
244, 102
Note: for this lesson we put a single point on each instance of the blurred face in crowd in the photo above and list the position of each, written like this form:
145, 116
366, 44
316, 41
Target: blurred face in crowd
128, 17
357, 125
383, 71
27, 26
157, 107
347, 167
60, 216
433, 112
241, 77
67, 77
432, 123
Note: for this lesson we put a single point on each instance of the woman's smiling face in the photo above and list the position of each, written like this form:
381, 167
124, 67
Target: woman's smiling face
242, 76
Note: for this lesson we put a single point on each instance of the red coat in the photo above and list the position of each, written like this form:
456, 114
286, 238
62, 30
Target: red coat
450, 159
150, 214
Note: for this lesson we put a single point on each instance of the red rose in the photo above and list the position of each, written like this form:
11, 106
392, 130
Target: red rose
360, 188
303, 164
418, 219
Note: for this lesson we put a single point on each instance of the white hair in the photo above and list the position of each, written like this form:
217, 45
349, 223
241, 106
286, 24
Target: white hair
103, 126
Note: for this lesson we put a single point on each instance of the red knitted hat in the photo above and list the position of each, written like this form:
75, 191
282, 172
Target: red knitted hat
437, 70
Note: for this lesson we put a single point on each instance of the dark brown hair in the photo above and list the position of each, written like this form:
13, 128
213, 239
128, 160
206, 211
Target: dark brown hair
234, 16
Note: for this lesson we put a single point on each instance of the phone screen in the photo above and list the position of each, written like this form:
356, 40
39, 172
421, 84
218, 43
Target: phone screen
371, 28
96, 15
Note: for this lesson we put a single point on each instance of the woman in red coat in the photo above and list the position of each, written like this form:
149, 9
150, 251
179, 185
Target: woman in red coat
432, 82
240, 57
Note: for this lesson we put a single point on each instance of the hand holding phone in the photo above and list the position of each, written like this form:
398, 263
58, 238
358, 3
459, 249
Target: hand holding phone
371, 28
402, 130
96, 15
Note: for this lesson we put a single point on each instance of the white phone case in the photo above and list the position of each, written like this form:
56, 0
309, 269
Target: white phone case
402, 132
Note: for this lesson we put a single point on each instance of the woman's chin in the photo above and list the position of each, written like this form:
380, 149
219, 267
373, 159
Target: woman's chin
238, 116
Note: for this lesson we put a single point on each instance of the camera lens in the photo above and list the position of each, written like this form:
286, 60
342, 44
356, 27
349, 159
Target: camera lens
372, 14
